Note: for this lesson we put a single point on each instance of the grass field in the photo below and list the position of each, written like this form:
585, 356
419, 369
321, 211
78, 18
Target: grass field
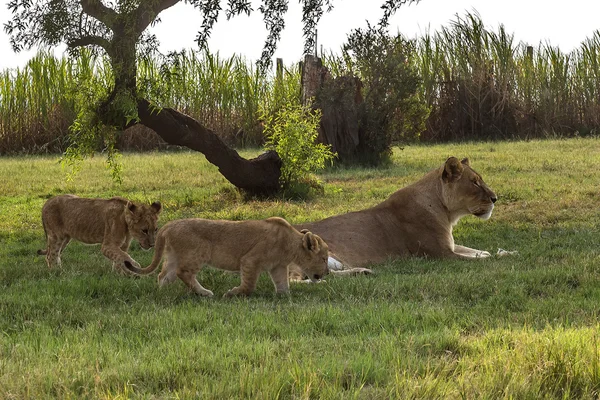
524, 326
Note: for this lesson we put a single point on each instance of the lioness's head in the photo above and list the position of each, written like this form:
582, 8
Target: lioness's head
142, 222
313, 256
464, 191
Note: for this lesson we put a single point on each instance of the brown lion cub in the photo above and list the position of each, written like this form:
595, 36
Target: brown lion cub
111, 222
249, 247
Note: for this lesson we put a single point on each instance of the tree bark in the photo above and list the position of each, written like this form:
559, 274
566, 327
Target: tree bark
259, 176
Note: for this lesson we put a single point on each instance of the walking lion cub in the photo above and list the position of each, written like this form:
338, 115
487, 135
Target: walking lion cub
248, 247
112, 222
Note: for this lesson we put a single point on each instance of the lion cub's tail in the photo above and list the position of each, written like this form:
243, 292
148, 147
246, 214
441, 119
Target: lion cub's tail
159, 249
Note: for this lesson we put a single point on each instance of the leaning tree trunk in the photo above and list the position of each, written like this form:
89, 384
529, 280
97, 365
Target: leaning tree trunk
259, 175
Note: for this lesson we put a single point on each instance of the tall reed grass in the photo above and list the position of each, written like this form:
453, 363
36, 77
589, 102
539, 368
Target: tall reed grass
478, 83
225, 94
481, 84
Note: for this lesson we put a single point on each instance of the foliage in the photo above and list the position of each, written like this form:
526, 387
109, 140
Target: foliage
502, 90
391, 109
91, 23
87, 134
481, 84
119, 31
507, 327
292, 132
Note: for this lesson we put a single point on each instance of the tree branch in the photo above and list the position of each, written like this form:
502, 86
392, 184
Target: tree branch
90, 40
147, 12
96, 9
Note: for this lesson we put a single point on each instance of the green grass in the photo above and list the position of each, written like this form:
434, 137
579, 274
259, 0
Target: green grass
517, 327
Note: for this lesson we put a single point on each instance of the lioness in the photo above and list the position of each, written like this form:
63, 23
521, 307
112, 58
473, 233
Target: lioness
415, 220
249, 247
111, 222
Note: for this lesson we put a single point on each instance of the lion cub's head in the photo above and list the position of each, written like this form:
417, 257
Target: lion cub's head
464, 191
313, 257
142, 222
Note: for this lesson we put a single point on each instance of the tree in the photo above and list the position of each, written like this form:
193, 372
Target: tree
118, 28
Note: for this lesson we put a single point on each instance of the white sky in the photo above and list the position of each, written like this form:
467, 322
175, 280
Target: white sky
562, 23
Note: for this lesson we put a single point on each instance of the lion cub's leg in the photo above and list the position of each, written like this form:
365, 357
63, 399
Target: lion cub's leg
279, 276
119, 267
249, 273
188, 276
55, 246
168, 273
117, 256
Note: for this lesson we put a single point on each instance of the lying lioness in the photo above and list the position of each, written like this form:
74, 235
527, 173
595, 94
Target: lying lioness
414, 221
249, 247
112, 222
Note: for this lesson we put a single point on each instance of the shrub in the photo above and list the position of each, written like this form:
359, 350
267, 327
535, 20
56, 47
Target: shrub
391, 109
292, 132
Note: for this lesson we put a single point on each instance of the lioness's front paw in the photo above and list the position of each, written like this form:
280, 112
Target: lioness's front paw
362, 271
502, 252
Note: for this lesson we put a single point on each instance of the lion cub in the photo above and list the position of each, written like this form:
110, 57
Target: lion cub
249, 247
111, 222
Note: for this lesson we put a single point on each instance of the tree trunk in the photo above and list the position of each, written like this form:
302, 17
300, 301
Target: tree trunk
258, 176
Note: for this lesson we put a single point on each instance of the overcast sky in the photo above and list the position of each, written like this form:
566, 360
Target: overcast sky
562, 23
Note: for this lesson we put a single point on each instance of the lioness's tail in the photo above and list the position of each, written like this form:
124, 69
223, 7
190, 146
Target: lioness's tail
159, 249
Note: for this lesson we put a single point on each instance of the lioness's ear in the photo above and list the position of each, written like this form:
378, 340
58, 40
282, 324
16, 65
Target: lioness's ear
465, 161
453, 170
156, 206
310, 242
131, 207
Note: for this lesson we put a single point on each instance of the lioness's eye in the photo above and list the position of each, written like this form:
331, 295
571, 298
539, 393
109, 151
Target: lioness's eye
145, 231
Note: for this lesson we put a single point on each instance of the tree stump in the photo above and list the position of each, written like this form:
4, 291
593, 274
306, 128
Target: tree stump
339, 100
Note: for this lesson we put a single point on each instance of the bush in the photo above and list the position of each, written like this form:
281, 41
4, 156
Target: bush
390, 109
292, 132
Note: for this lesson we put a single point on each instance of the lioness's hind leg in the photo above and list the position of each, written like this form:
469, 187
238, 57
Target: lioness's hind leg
188, 276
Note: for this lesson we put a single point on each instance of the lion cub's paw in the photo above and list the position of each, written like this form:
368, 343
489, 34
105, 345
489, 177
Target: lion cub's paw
122, 270
234, 292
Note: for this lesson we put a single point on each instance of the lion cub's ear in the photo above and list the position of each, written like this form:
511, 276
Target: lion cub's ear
131, 207
453, 170
157, 207
304, 231
310, 242
465, 161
